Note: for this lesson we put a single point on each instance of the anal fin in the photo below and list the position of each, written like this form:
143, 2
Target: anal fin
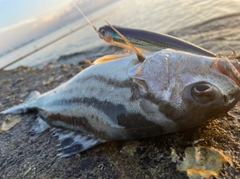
39, 126
73, 143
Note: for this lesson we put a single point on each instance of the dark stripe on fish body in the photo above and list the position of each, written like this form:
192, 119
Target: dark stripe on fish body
80, 124
164, 107
169, 111
116, 83
134, 120
108, 108
137, 126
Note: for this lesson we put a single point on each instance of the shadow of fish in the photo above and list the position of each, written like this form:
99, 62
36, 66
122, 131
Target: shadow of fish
126, 99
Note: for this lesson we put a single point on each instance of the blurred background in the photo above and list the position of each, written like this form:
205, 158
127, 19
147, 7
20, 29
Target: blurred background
42, 31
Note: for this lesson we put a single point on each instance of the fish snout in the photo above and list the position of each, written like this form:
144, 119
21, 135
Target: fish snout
230, 68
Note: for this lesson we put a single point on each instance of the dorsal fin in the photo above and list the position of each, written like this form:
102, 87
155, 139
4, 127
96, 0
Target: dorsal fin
140, 56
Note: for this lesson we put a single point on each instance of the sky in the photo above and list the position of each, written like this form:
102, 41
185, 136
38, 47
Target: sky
24, 20
15, 11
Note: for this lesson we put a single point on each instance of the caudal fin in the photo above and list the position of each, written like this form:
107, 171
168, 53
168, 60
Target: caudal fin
23, 107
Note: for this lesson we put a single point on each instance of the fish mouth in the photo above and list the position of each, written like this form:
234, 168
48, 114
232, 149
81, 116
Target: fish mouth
230, 68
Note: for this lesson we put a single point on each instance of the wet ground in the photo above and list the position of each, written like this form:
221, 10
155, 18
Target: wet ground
25, 156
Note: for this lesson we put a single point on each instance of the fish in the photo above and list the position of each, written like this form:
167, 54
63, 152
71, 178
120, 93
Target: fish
127, 98
149, 41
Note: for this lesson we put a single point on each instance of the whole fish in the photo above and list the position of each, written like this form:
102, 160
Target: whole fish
149, 41
126, 99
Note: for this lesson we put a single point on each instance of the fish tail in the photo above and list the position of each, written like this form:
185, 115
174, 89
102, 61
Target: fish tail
23, 107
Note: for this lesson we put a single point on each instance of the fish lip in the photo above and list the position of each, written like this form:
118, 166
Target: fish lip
229, 68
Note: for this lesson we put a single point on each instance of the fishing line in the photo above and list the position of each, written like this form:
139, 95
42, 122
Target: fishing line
140, 56
84, 16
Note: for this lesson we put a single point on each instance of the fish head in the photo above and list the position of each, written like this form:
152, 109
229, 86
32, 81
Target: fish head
188, 89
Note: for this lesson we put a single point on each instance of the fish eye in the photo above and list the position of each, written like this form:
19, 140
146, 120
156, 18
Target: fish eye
102, 31
204, 92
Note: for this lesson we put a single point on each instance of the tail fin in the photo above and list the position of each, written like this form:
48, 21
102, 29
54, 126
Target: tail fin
23, 107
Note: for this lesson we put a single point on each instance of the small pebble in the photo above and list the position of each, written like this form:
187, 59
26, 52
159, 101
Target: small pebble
7, 80
86, 61
21, 79
70, 75
63, 66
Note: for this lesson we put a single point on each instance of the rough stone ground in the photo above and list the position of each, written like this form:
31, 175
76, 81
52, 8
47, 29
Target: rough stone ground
25, 156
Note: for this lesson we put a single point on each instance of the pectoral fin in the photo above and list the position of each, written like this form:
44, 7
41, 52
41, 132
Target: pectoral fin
108, 58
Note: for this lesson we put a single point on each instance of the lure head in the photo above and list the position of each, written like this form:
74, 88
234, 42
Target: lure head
189, 89
115, 34
106, 33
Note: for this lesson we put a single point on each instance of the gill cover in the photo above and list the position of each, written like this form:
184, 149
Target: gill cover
151, 72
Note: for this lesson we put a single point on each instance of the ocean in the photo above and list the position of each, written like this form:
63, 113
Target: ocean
214, 25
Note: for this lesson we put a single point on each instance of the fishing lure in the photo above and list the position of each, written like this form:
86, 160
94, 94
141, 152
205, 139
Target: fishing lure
149, 41
144, 40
